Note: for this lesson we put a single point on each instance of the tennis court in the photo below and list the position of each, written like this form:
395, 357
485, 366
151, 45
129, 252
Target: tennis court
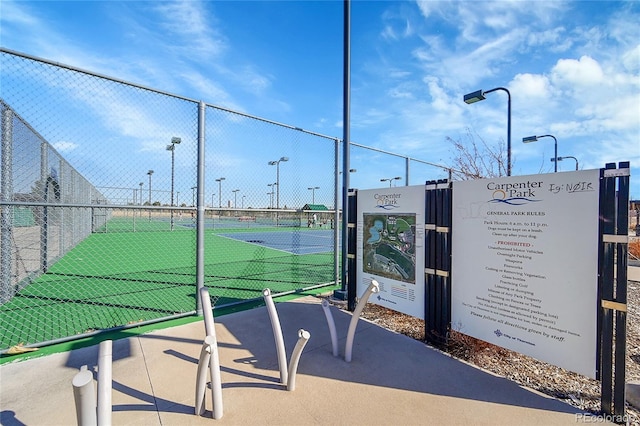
301, 242
117, 233
117, 277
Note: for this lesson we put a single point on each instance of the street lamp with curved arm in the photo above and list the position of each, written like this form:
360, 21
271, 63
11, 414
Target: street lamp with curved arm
150, 172
172, 147
219, 180
566, 156
477, 96
235, 198
530, 139
271, 185
277, 164
390, 180
313, 193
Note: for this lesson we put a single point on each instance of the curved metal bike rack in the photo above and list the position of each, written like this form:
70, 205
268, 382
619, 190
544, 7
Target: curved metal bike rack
373, 288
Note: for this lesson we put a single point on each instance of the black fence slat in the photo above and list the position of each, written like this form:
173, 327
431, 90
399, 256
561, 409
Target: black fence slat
620, 332
437, 262
613, 252
352, 217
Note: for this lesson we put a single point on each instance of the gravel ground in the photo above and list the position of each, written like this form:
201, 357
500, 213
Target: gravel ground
574, 389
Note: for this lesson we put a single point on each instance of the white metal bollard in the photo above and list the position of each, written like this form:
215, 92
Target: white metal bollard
209, 358
332, 326
373, 288
207, 312
212, 363
105, 374
85, 398
277, 334
303, 338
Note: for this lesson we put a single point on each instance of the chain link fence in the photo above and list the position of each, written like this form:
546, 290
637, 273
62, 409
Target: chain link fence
110, 191
395, 169
36, 232
119, 201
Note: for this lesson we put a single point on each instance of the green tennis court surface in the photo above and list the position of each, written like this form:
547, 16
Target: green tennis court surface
119, 277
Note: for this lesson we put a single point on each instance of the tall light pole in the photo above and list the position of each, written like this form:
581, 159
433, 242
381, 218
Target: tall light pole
566, 156
390, 180
140, 192
313, 193
243, 201
271, 185
219, 180
277, 164
530, 139
150, 172
235, 198
212, 194
478, 95
172, 147
193, 196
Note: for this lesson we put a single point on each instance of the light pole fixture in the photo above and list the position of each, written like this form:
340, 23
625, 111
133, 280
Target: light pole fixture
530, 139
235, 198
219, 180
150, 172
277, 164
313, 193
390, 180
477, 96
566, 156
350, 171
271, 185
172, 147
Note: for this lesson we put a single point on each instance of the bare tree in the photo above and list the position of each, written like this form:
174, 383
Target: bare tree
474, 158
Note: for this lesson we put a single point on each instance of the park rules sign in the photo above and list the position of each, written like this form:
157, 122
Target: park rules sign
525, 265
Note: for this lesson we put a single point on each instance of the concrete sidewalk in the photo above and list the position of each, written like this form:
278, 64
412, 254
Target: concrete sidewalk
391, 380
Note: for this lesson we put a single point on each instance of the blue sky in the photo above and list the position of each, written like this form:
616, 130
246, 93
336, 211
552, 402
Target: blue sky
572, 68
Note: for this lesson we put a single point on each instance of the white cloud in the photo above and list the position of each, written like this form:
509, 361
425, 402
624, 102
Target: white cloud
583, 72
247, 78
554, 39
616, 113
398, 92
14, 13
64, 146
440, 101
529, 86
427, 7
395, 26
206, 87
631, 59
187, 24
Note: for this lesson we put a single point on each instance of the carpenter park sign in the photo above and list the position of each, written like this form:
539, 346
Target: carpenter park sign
525, 265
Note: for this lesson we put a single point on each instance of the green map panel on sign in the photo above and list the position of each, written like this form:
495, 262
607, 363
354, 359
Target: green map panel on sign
389, 246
